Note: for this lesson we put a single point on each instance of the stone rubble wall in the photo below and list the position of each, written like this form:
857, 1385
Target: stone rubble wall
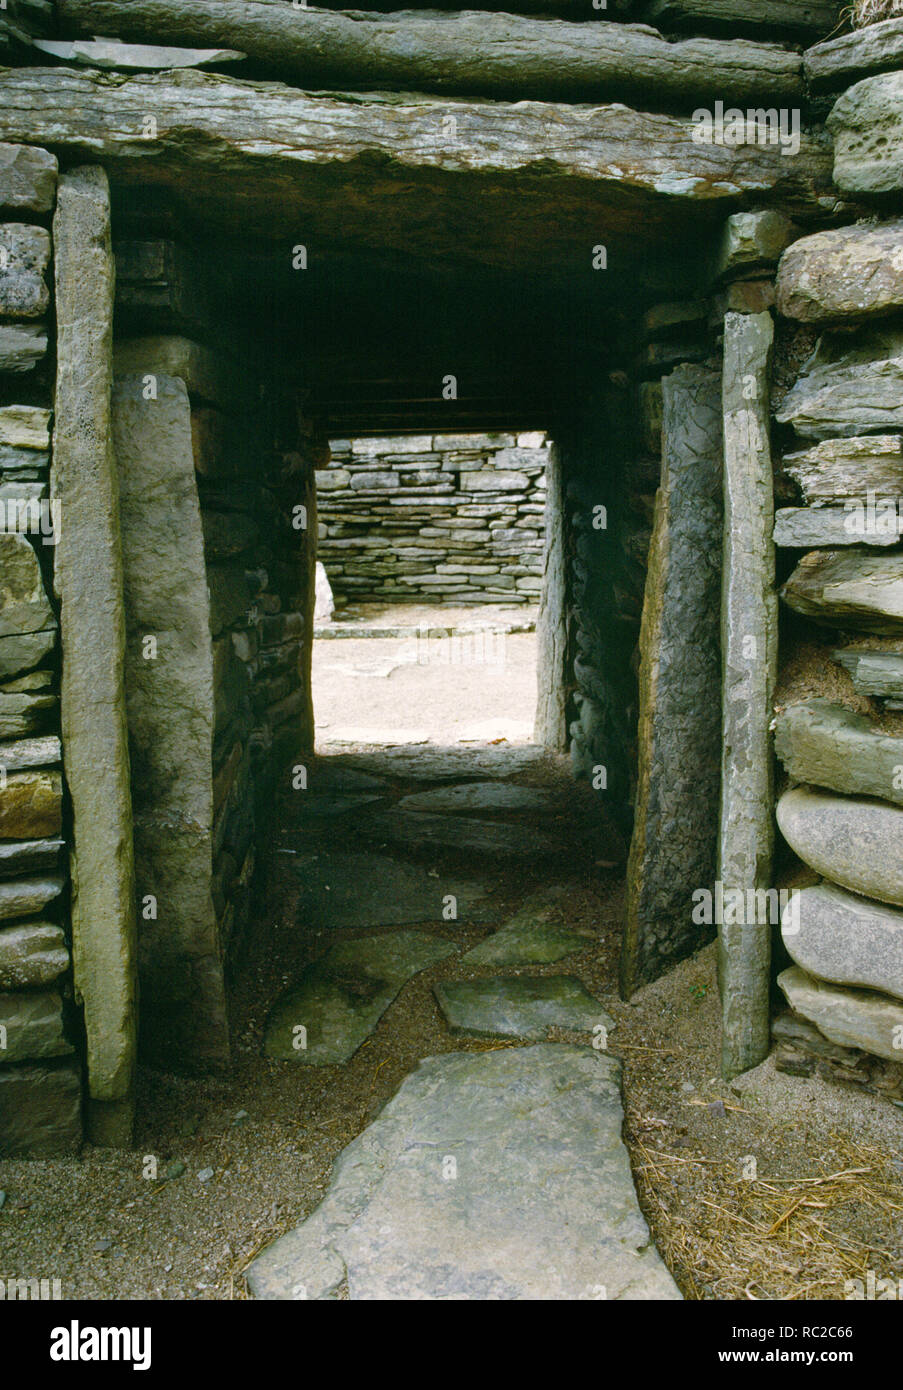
839, 525
434, 518
40, 1075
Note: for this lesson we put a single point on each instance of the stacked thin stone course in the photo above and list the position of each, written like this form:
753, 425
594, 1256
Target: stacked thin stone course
434, 518
843, 810
40, 1089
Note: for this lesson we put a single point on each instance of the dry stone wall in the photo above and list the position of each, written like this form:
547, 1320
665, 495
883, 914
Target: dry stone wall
839, 731
40, 1074
434, 518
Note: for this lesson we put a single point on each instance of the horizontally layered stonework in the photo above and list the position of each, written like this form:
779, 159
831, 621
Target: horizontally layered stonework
434, 518
40, 1078
842, 750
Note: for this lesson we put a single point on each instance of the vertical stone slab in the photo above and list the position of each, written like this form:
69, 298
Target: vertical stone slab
169, 688
673, 850
550, 727
88, 582
749, 635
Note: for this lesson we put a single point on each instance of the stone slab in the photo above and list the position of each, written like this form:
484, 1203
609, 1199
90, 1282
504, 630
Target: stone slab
873, 672
475, 797
849, 1017
830, 746
845, 939
537, 934
31, 1027
107, 53
537, 1202
752, 240
31, 805
340, 999
28, 177
674, 842
749, 642
22, 346
32, 955
21, 651
88, 581
802, 528
841, 61
372, 890
519, 1007
455, 832
24, 258
857, 589
848, 468
170, 702
40, 1111
848, 387
23, 897
24, 605
25, 426
853, 841
843, 275
31, 857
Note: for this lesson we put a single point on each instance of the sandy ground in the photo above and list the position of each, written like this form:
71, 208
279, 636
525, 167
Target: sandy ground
250, 1153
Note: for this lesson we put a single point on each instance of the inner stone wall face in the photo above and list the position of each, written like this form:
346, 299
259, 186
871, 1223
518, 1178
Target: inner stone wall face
434, 518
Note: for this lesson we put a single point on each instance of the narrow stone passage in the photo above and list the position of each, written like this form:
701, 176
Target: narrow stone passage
497, 1170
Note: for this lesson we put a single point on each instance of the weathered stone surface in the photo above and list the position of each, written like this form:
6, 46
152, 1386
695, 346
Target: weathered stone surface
493, 54
203, 371
24, 257
803, 527
22, 345
32, 955
841, 61
31, 1027
553, 622
850, 1017
855, 842
31, 752
790, 16
229, 597
22, 713
31, 805
850, 387
104, 53
40, 1111
23, 897
25, 426
27, 179
88, 580
873, 672
536, 935
752, 240
371, 890
519, 1007
828, 745
340, 998
23, 650
278, 158
476, 797
843, 275
170, 714
30, 857
845, 940
673, 849
857, 589
462, 833
749, 637
396, 1229
24, 605
846, 468
865, 123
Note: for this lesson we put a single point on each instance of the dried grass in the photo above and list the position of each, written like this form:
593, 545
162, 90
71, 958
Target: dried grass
865, 12
771, 1238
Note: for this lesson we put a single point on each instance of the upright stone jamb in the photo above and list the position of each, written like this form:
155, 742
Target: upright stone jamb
88, 582
749, 630
551, 729
675, 833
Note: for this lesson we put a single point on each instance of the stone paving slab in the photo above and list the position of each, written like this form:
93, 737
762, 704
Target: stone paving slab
375, 890
461, 833
497, 1175
537, 934
340, 999
519, 1007
477, 796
